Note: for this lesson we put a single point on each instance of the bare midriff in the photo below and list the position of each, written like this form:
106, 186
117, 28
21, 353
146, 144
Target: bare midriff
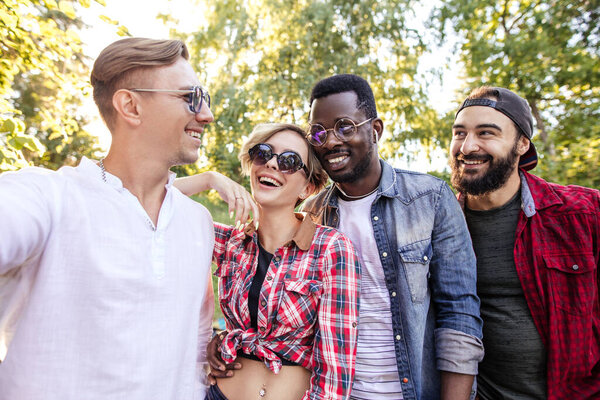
256, 381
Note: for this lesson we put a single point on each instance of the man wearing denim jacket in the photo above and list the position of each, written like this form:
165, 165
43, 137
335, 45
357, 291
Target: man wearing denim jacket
418, 295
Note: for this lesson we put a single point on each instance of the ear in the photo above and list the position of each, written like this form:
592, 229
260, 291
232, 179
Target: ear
127, 107
523, 145
377, 129
309, 189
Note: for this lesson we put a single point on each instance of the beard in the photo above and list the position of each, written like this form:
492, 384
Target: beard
497, 174
359, 171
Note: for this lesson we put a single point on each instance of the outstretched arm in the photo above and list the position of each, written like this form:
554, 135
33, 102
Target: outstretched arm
240, 202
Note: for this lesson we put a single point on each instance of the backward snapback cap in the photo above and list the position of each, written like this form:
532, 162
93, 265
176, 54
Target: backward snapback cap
516, 108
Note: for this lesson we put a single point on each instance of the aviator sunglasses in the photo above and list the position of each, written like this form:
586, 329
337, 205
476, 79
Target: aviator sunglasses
196, 96
288, 162
343, 129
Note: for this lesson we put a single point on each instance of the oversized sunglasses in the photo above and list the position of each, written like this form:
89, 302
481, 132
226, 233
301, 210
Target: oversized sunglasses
288, 162
343, 129
196, 96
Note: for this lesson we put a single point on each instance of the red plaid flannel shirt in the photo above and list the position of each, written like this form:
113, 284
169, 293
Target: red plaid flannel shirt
308, 308
557, 256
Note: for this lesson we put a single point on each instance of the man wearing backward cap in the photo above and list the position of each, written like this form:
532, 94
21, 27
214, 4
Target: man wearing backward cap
538, 250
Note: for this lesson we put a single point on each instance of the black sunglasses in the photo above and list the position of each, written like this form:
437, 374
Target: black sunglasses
196, 96
288, 162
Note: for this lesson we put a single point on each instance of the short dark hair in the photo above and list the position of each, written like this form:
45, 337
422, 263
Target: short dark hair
347, 83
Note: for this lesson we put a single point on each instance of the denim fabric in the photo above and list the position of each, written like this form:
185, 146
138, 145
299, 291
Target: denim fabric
430, 272
214, 393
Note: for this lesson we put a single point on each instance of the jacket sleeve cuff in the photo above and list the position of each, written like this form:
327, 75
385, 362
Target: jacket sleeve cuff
457, 352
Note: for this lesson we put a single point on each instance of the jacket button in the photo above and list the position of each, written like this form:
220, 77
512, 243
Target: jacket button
425, 258
575, 267
405, 380
384, 254
376, 218
393, 294
397, 337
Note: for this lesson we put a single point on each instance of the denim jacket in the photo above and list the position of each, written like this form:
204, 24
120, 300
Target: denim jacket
430, 273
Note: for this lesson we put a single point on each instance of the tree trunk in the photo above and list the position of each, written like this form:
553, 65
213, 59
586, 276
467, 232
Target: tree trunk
548, 146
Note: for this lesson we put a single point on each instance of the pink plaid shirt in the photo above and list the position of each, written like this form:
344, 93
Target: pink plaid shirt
308, 304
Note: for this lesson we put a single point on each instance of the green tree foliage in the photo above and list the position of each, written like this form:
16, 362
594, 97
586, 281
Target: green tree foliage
261, 59
43, 78
548, 52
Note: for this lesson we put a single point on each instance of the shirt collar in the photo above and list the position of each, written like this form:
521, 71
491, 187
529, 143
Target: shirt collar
93, 170
536, 194
532, 191
303, 236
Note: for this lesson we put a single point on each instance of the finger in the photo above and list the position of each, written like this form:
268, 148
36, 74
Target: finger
221, 374
211, 379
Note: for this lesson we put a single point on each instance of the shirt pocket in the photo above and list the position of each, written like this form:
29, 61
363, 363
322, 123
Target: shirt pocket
227, 272
571, 281
415, 260
299, 302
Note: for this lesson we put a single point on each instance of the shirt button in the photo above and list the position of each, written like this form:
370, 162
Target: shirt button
575, 267
269, 278
376, 218
277, 258
393, 294
397, 337
384, 254
262, 328
354, 324
404, 380
425, 258
263, 303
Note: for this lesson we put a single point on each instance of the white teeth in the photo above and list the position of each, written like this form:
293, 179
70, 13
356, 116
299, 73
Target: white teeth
194, 134
337, 159
469, 162
263, 179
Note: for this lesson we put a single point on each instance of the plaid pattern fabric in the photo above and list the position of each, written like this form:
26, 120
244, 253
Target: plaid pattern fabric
557, 253
308, 304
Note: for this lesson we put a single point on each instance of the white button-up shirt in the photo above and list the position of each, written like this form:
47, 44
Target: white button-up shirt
96, 302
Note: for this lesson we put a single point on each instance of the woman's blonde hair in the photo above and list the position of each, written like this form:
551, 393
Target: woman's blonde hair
263, 132
117, 66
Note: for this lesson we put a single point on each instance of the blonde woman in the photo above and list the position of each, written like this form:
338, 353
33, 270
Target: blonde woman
289, 290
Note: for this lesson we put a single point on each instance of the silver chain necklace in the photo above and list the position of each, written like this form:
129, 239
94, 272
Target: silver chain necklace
103, 170
362, 196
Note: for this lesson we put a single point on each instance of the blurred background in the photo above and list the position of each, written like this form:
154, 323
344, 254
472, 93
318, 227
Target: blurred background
260, 58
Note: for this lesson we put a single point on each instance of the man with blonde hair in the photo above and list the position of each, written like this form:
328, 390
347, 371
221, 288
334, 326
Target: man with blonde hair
105, 289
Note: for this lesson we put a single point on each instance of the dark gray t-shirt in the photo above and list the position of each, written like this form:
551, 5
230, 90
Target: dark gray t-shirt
514, 365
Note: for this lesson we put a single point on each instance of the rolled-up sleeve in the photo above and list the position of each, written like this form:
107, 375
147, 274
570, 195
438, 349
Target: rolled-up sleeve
454, 290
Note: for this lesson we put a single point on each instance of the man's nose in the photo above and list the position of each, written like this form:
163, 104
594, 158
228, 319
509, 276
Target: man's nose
204, 115
470, 144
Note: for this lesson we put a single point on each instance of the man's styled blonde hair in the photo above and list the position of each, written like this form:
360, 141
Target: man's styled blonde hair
262, 132
118, 64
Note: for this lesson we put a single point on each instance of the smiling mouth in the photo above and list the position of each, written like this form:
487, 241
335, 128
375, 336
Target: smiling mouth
194, 134
265, 180
473, 162
337, 159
